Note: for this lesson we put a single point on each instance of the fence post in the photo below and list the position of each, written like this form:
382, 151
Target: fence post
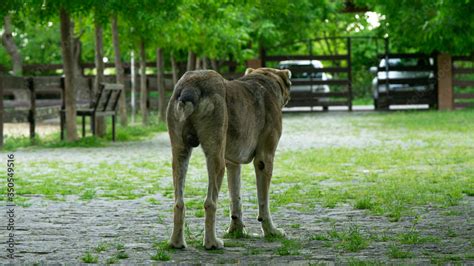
62, 111
263, 54
1, 113
349, 73
445, 82
32, 112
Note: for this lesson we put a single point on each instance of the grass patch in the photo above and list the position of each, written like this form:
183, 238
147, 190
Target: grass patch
414, 237
364, 203
128, 133
351, 240
319, 237
295, 226
111, 260
89, 258
163, 251
120, 246
102, 247
396, 252
386, 181
289, 247
121, 254
236, 235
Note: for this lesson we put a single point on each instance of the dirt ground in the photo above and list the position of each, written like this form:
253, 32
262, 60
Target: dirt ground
64, 231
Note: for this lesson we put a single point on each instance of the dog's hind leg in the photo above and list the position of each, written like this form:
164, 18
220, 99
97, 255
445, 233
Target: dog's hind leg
180, 163
236, 228
215, 167
263, 164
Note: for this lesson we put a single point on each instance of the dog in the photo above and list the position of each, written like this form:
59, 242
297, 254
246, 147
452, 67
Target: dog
236, 122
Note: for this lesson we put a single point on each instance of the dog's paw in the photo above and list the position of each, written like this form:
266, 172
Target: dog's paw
273, 232
215, 243
177, 243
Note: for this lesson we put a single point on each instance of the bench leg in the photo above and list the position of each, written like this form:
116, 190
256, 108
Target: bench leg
113, 128
93, 124
83, 126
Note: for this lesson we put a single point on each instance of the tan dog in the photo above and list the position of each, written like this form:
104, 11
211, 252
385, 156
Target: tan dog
235, 122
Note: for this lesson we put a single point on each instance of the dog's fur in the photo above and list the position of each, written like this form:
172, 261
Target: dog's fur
235, 122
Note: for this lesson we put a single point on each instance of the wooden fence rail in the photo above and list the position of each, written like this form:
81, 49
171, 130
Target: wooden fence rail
463, 81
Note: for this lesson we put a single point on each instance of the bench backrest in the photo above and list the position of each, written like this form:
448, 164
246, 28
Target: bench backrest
108, 97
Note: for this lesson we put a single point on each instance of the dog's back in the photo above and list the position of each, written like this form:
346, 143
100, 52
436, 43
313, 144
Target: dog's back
203, 101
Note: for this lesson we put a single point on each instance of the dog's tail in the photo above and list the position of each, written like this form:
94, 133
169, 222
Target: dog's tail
186, 102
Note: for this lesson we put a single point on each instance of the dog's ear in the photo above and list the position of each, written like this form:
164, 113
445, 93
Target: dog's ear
248, 71
285, 74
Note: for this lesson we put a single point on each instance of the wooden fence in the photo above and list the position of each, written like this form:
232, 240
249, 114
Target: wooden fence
311, 97
417, 84
30, 93
463, 81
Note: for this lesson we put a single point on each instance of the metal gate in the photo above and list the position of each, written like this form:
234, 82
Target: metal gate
402, 83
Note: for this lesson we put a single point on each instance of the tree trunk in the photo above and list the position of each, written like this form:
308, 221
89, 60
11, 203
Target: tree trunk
133, 89
11, 47
99, 77
143, 88
204, 63
191, 61
119, 72
77, 51
174, 69
160, 78
214, 65
68, 65
198, 63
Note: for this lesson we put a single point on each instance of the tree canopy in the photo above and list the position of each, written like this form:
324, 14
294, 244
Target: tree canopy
223, 29
427, 25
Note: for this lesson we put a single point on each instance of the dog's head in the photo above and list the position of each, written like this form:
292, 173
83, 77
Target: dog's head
282, 76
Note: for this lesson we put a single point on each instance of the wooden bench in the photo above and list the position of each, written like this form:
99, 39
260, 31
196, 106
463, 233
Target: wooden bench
105, 105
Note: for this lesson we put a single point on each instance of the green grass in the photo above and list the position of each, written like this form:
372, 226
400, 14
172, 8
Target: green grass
163, 251
236, 235
363, 101
120, 246
350, 239
102, 247
320, 237
130, 133
289, 247
295, 226
121, 254
89, 258
415, 237
395, 252
111, 260
388, 179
